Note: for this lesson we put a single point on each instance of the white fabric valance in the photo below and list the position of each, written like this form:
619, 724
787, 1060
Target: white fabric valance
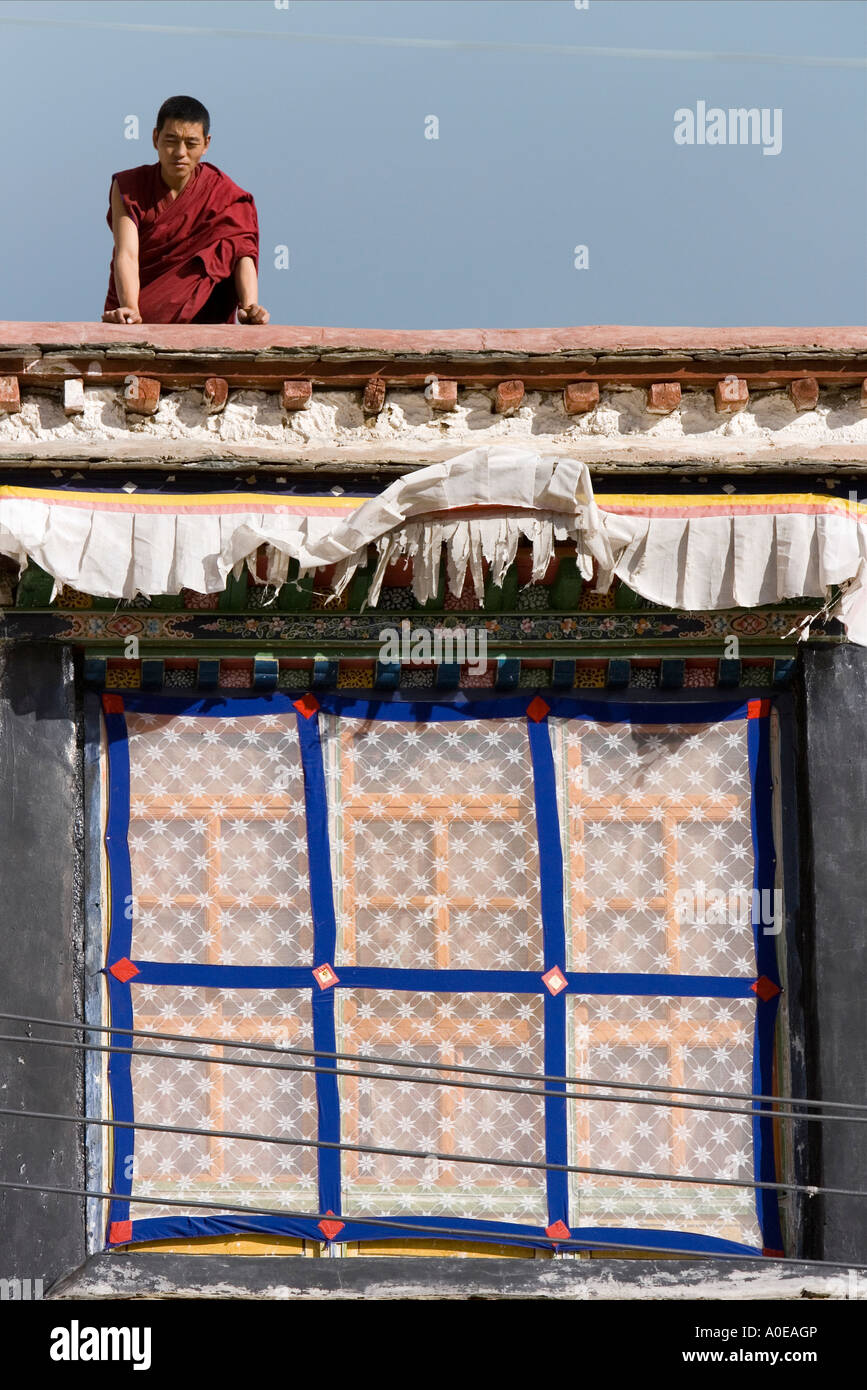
689, 551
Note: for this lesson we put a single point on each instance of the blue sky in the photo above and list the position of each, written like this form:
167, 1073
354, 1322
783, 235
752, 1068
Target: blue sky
320, 110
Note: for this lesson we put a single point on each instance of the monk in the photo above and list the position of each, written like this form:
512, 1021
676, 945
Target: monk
186, 238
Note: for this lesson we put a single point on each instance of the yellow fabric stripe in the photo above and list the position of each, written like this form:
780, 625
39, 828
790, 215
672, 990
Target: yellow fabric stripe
760, 500
259, 501
137, 501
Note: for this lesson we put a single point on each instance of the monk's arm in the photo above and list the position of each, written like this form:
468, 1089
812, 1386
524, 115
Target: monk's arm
126, 274
247, 290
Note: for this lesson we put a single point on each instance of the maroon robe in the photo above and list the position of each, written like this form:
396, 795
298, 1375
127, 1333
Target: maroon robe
188, 246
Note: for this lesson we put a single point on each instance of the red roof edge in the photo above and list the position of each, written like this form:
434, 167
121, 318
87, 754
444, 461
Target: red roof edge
599, 339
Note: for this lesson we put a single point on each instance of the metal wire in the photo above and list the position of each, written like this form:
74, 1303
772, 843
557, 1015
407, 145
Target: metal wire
429, 1080
572, 1243
435, 1066
805, 1189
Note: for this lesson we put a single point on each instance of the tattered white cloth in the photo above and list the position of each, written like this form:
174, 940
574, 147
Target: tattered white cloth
693, 552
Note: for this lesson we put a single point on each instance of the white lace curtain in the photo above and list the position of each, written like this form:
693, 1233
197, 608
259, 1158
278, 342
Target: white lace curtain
435, 866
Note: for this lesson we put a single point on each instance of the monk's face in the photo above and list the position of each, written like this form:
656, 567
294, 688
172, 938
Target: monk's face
180, 145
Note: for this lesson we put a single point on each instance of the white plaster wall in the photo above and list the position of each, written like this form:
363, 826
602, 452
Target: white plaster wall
335, 418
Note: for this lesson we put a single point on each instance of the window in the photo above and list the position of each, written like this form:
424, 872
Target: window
519, 888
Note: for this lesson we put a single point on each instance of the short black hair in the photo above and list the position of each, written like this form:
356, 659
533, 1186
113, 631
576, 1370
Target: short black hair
184, 109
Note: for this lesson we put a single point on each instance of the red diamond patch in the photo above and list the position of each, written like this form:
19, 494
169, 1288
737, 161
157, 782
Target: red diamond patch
764, 988
537, 709
330, 1229
306, 705
325, 976
555, 981
123, 970
112, 704
119, 1232
559, 1230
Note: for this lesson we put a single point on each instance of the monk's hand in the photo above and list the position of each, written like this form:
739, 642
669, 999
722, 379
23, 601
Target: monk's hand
253, 313
122, 315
